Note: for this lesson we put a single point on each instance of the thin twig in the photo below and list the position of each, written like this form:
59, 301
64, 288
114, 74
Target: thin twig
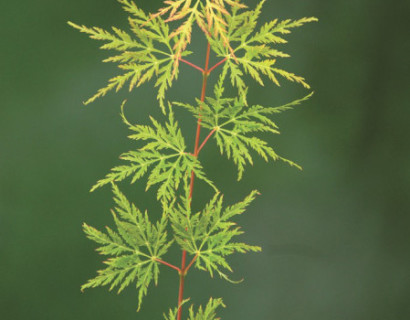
206, 140
190, 264
192, 65
217, 65
169, 265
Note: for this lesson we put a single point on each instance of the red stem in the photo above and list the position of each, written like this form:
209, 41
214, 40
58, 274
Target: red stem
191, 64
206, 140
198, 128
169, 265
191, 187
191, 263
217, 65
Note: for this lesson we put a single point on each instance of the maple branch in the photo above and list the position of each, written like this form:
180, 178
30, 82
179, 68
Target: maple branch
206, 140
217, 65
191, 64
168, 264
191, 187
190, 264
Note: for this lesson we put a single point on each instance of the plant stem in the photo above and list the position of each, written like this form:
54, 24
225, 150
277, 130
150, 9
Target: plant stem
169, 265
191, 263
217, 65
206, 140
196, 151
191, 64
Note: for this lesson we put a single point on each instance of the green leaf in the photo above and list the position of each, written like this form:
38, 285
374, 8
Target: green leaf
172, 314
236, 76
235, 125
164, 153
134, 248
144, 54
207, 313
255, 50
208, 234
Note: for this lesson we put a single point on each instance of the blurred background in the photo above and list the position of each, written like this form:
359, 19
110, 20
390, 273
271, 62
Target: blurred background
335, 236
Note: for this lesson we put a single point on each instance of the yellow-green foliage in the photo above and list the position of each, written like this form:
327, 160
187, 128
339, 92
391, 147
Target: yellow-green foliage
164, 152
133, 247
207, 313
207, 234
153, 48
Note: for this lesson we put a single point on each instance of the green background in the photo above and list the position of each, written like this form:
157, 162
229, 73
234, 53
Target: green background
335, 236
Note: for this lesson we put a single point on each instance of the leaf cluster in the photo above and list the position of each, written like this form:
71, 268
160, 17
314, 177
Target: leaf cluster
136, 247
152, 49
210, 15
